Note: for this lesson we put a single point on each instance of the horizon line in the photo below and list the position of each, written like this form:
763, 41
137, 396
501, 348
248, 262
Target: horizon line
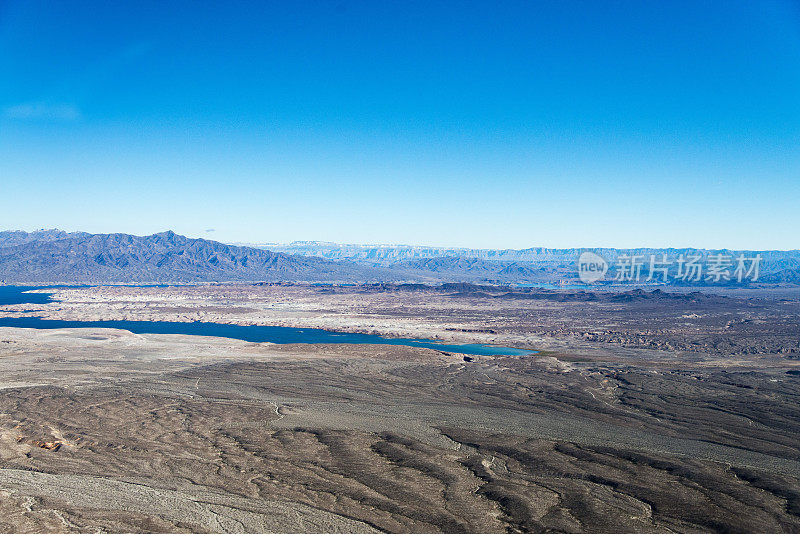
402, 245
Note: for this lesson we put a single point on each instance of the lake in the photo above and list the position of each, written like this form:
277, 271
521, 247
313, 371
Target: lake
17, 295
255, 334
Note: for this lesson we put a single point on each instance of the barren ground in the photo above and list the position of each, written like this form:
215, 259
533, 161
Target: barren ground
641, 413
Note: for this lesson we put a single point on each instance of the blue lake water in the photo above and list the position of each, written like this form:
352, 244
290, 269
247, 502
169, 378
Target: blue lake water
17, 295
260, 334
256, 334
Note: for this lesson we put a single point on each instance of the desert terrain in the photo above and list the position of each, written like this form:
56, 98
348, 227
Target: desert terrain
641, 412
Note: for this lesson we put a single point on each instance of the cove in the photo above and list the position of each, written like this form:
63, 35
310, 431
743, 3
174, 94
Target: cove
17, 295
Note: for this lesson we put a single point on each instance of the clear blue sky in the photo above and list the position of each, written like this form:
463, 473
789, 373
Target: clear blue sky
486, 124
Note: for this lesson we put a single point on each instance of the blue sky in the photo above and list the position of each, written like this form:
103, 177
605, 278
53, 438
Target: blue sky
482, 124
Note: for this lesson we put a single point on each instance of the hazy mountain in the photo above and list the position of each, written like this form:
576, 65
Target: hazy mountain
455, 268
57, 257
391, 254
531, 265
18, 237
53, 257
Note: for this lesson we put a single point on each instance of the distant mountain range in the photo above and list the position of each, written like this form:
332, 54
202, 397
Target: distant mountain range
531, 265
386, 255
58, 257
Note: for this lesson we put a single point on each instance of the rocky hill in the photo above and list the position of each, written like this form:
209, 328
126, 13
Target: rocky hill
55, 257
